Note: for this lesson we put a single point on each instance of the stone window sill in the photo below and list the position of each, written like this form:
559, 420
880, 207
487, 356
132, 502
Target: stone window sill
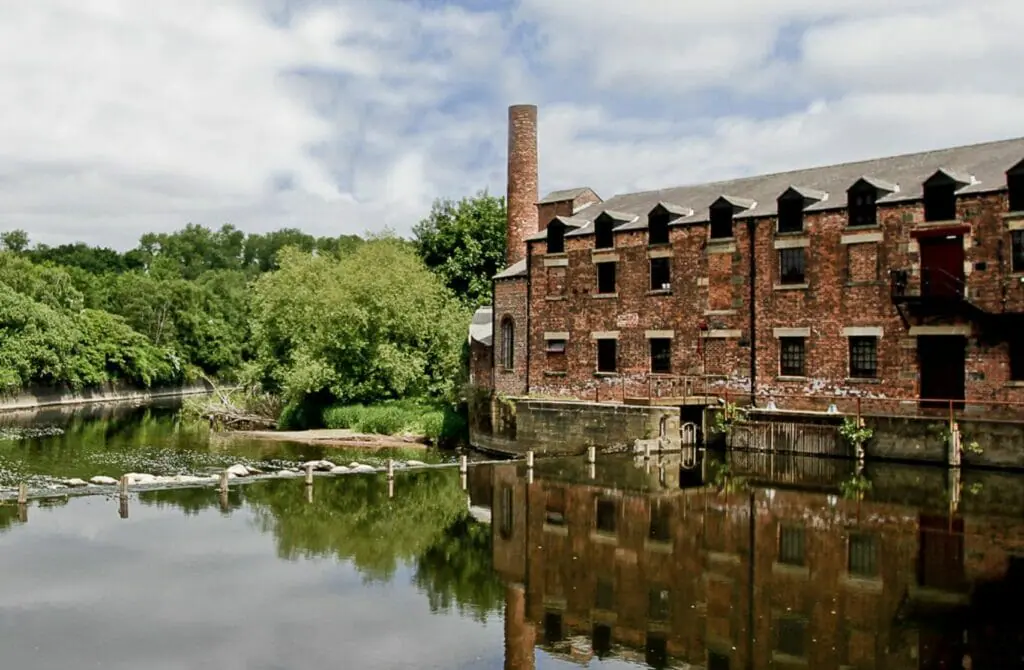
791, 233
508, 371
662, 291
1016, 384
1013, 216
558, 254
555, 529
658, 546
791, 378
860, 582
873, 282
719, 312
554, 373
554, 298
862, 380
721, 240
787, 569
605, 296
873, 226
603, 537
791, 287
605, 374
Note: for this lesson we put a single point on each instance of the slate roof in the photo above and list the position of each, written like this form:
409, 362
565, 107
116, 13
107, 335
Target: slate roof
563, 195
514, 270
898, 178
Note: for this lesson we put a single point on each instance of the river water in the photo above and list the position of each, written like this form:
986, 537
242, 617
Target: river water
743, 561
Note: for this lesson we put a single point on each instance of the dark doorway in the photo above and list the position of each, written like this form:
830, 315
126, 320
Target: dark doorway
941, 360
942, 266
941, 558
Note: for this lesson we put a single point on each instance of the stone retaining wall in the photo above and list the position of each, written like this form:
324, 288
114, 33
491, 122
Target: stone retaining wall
33, 398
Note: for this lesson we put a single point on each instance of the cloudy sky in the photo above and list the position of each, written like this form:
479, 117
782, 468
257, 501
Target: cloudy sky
342, 116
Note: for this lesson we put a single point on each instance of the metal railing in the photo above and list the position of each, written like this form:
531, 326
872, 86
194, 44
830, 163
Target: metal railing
932, 283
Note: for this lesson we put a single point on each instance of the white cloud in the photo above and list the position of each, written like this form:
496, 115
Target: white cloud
122, 116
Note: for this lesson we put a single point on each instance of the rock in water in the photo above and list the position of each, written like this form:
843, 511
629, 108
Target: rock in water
339, 470
353, 465
364, 468
325, 466
100, 480
75, 482
413, 464
238, 470
287, 473
140, 478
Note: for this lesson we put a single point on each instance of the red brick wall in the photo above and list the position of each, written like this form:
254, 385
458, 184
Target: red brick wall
510, 301
480, 365
847, 286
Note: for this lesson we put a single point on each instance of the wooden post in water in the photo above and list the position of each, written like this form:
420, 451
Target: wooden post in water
463, 464
529, 460
591, 454
309, 475
954, 445
224, 481
391, 488
23, 493
390, 469
225, 504
123, 486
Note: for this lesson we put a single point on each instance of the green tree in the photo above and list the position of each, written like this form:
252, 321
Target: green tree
14, 240
464, 243
374, 325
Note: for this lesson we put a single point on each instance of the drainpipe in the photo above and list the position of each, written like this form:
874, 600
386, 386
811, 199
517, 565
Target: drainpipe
752, 298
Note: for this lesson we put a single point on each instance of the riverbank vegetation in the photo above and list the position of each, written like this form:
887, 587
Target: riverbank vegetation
367, 331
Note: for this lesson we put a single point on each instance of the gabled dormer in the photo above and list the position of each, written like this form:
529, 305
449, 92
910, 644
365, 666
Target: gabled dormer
659, 218
940, 194
556, 235
1015, 186
605, 225
862, 200
721, 213
791, 205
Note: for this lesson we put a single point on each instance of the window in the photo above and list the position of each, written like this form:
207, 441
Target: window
790, 635
554, 507
601, 640
607, 356
791, 545
605, 516
556, 237
1017, 357
555, 346
505, 525
658, 606
864, 357
552, 627
721, 222
657, 227
508, 343
791, 213
939, 199
1015, 185
1017, 250
791, 266
661, 274
861, 206
862, 560
661, 355
604, 238
660, 528
791, 357
606, 277
604, 599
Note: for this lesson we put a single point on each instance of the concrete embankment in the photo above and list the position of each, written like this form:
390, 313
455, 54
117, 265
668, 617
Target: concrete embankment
36, 398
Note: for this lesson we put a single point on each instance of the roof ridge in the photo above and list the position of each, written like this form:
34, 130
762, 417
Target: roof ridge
813, 168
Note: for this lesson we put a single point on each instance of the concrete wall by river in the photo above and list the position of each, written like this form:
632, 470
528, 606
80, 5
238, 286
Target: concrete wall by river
37, 397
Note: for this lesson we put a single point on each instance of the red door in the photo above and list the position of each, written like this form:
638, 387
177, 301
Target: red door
942, 266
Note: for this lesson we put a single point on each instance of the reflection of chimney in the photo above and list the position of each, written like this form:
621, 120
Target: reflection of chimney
519, 632
522, 195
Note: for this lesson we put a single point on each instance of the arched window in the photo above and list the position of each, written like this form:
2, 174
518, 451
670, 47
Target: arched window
508, 343
556, 237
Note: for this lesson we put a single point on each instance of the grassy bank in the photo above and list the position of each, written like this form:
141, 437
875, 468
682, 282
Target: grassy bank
438, 423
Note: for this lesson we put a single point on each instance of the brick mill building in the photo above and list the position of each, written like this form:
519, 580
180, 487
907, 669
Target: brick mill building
896, 281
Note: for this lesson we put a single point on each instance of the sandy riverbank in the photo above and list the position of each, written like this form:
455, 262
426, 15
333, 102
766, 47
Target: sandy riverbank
341, 437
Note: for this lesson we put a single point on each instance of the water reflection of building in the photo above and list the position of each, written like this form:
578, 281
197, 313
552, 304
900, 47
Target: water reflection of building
757, 577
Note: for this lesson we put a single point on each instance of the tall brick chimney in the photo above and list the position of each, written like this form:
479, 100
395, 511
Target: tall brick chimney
521, 196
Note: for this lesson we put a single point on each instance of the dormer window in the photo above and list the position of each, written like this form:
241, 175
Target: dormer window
556, 237
721, 221
861, 201
657, 227
604, 237
791, 212
940, 195
1015, 186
